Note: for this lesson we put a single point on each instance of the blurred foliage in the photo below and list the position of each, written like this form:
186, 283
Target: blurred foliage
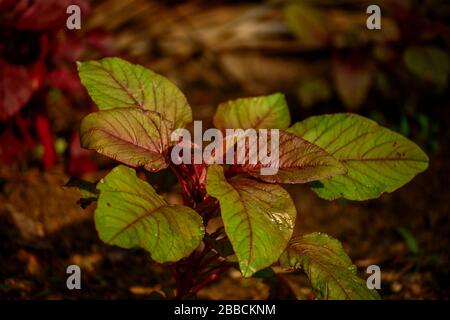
398, 73
409, 239
412, 43
40, 93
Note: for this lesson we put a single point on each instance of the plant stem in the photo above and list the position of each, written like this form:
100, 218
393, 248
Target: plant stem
224, 267
186, 271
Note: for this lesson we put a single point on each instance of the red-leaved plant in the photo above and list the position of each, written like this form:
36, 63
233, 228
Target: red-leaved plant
37, 77
339, 155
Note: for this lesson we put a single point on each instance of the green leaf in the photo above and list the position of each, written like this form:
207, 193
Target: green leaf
428, 63
265, 112
258, 218
330, 270
131, 214
378, 160
133, 136
299, 162
116, 83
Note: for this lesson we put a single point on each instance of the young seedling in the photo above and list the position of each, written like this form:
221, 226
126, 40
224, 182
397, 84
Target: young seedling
339, 155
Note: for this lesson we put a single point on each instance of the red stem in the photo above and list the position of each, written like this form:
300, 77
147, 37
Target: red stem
183, 185
46, 138
188, 270
224, 267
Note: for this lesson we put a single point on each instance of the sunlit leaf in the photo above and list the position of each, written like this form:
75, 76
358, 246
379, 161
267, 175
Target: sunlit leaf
299, 161
263, 112
258, 218
130, 135
131, 214
378, 160
116, 83
330, 270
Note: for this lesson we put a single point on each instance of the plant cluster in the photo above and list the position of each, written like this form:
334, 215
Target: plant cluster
340, 156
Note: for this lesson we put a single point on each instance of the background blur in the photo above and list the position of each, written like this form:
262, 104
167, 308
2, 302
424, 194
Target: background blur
319, 53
